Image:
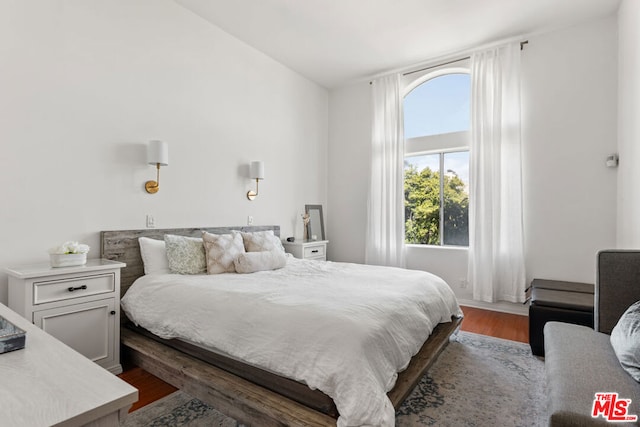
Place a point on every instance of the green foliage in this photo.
(422, 208)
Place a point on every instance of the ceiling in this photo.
(333, 42)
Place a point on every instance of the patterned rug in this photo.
(476, 381)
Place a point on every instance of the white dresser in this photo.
(46, 383)
(307, 249)
(78, 305)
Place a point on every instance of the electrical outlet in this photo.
(250, 220)
(463, 283)
(151, 221)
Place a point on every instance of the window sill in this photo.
(437, 247)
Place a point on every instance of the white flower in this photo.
(70, 248)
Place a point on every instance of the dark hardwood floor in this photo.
(485, 322)
(150, 388)
(496, 324)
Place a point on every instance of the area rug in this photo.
(476, 381)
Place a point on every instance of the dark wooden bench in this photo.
(555, 300)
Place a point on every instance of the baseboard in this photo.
(502, 306)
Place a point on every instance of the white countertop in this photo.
(29, 271)
(48, 383)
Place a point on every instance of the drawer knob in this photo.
(77, 288)
(112, 312)
(315, 251)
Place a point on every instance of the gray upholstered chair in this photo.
(580, 361)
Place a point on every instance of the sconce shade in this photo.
(257, 170)
(158, 153)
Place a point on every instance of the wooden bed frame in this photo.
(250, 395)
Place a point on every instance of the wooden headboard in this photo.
(122, 245)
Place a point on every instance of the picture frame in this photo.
(315, 226)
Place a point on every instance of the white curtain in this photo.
(496, 248)
(385, 216)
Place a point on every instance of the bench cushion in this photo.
(560, 285)
(578, 301)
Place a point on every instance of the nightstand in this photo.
(307, 249)
(78, 305)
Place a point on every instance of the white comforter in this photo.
(345, 329)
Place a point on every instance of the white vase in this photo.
(67, 260)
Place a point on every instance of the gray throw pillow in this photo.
(625, 340)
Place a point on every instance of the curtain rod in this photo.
(522, 43)
(436, 66)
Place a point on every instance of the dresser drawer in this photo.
(314, 251)
(58, 290)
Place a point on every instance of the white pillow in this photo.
(185, 254)
(261, 241)
(221, 250)
(250, 262)
(154, 256)
(625, 340)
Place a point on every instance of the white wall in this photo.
(569, 126)
(629, 124)
(85, 84)
(349, 162)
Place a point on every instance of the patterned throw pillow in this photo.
(261, 241)
(185, 254)
(250, 262)
(222, 250)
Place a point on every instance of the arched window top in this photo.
(437, 104)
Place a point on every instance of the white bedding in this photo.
(345, 329)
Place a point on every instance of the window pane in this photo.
(456, 199)
(422, 199)
(439, 105)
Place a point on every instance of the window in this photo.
(436, 164)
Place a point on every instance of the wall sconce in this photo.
(158, 155)
(256, 172)
(612, 161)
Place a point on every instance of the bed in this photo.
(293, 382)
